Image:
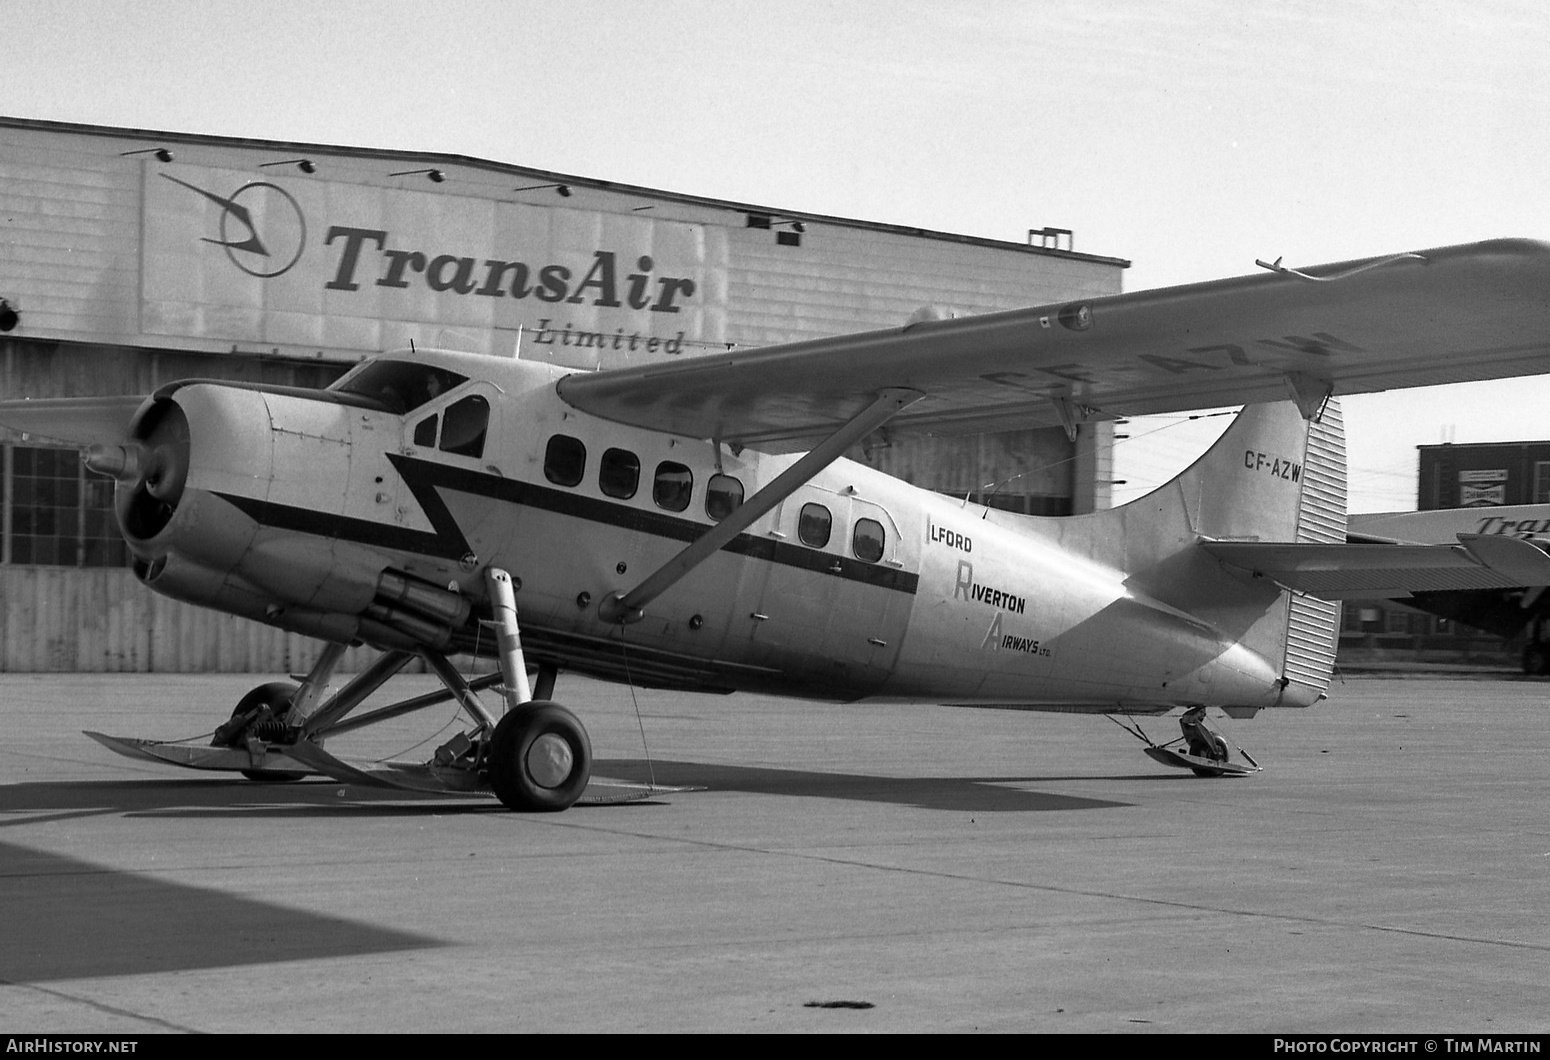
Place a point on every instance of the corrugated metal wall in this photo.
(71, 227)
(61, 619)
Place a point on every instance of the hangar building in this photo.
(129, 259)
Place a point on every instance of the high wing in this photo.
(1336, 572)
(1447, 315)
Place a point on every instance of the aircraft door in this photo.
(460, 431)
(869, 612)
(829, 609)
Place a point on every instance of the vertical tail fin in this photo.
(1272, 476)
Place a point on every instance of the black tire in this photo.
(268, 706)
(523, 744)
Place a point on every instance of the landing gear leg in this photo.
(539, 756)
(1206, 753)
(271, 714)
(1202, 740)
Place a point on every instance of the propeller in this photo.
(151, 470)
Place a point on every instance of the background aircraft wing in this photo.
(74, 421)
(1447, 315)
(1336, 572)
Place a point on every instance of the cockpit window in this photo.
(462, 433)
(400, 386)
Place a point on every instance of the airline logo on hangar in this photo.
(261, 228)
(264, 232)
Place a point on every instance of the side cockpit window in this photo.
(464, 426)
(565, 460)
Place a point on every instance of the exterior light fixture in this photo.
(435, 176)
(562, 190)
(161, 153)
(792, 238)
(306, 165)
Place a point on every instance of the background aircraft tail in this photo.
(1273, 476)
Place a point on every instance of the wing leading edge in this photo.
(1447, 315)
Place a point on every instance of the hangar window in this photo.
(868, 540)
(565, 460)
(672, 487)
(462, 433)
(814, 525)
(723, 494)
(618, 474)
(56, 513)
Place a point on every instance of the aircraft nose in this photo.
(151, 471)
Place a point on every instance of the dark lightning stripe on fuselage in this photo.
(446, 541)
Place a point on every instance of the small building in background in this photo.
(1482, 475)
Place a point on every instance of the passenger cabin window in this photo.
(867, 541)
(672, 486)
(565, 460)
(814, 525)
(464, 426)
(723, 494)
(618, 474)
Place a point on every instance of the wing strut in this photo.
(627, 607)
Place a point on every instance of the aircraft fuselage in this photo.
(858, 585)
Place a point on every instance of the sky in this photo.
(1188, 137)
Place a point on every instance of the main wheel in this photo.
(539, 758)
(262, 713)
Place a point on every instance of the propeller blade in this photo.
(74, 421)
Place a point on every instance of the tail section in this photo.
(1313, 625)
(1273, 476)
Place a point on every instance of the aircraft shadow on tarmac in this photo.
(72, 919)
(224, 796)
(963, 794)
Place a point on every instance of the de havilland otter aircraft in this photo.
(692, 525)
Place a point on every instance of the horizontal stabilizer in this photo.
(1337, 572)
(73, 421)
